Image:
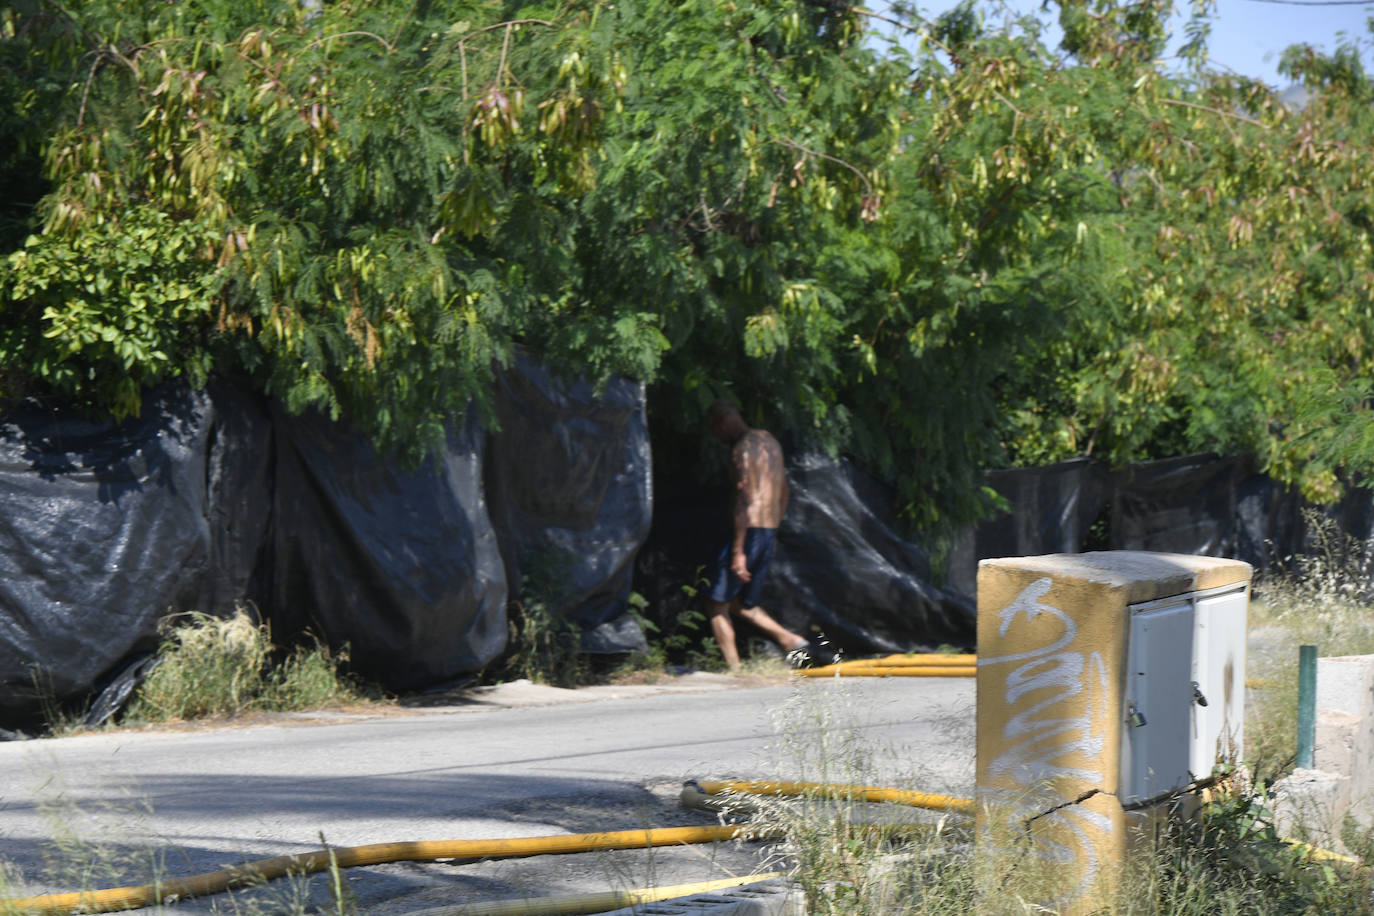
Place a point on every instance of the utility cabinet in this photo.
(1106, 682)
(1184, 694)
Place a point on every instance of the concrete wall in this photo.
(1313, 804)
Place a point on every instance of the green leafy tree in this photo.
(976, 252)
(1189, 257)
(332, 184)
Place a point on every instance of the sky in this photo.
(1247, 35)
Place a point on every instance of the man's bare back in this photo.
(760, 481)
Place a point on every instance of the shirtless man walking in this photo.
(760, 500)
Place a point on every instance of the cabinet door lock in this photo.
(1135, 717)
(1197, 695)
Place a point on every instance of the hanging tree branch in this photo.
(1215, 111)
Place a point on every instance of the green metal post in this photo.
(1307, 705)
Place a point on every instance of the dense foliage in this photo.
(961, 251)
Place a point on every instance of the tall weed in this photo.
(544, 646)
(1230, 859)
(309, 678)
(852, 858)
(212, 666)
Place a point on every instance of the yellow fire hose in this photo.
(129, 898)
(927, 665)
(936, 659)
(1317, 854)
(576, 904)
(852, 669)
(833, 790)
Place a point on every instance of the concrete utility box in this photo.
(1104, 679)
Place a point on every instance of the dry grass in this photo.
(1323, 600)
(216, 668)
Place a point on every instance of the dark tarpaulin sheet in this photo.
(238, 473)
(1269, 522)
(1196, 504)
(841, 567)
(402, 567)
(211, 499)
(1054, 508)
(1354, 514)
(1050, 510)
(569, 479)
(102, 533)
(1178, 505)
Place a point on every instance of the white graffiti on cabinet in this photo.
(1056, 699)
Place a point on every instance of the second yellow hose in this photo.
(135, 897)
(834, 790)
(576, 904)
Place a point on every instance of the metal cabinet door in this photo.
(1219, 673)
(1156, 747)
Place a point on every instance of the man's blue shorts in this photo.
(758, 553)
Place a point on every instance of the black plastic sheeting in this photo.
(571, 487)
(1269, 521)
(216, 498)
(1179, 505)
(239, 472)
(1052, 510)
(103, 530)
(401, 567)
(1202, 504)
(842, 569)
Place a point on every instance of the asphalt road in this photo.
(121, 807)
